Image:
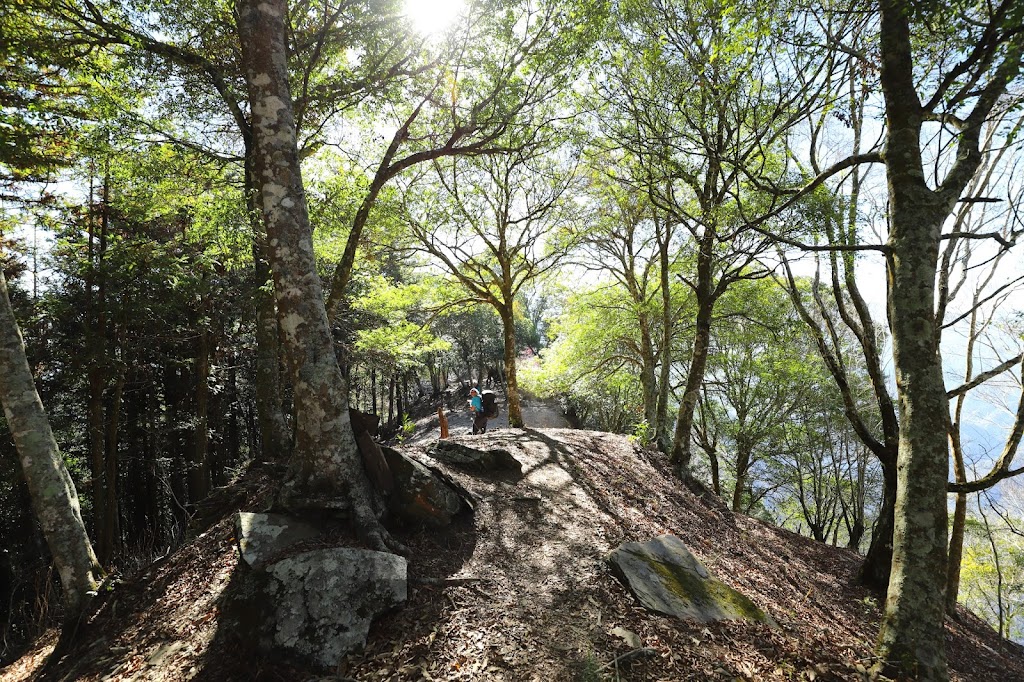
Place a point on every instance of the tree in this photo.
(594, 365)
(911, 637)
(34, 122)
(54, 498)
(704, 93)
(964, 270)
(325, 469)
(503, 226)
(197, 52)
(632, 242)
(502, 61)
(757, 383)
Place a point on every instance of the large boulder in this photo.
(422, 496)
(322, 602)
(465, 457)
(314, 605)
(666, 578)
(262, 537)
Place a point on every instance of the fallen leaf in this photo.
(628, 636)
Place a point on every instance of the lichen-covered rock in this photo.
(262, 537)
(457, 454)
(666, 578)
(420, 495)
(322, 602)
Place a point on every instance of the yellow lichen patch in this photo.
(708, 595)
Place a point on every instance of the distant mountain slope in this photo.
(520, 591)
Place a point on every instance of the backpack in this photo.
(490, 402)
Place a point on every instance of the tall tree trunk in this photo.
(154, 493)
(97, 456)
(681, 446)
(199, 466)
(269, 399)
(958, 527)
(112, 464)
(857, 504)
(391, 399)
(877, 566)
(97, 379)
(912, 638)
(399, 400)
(912, 634)
(373, 390)
(648, 382)
(665, 352)
(743, 455)
(54, 498)
(325, 469)
(508, 328)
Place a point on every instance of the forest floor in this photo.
(520, 590)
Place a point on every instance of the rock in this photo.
(666, 578)
(376, 465)
(463, 456)
(420, 495)
(325, 600)
(364, 421)
(317, 606)
(261, 537)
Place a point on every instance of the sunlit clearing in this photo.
(432, 16)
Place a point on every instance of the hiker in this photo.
(476, 403)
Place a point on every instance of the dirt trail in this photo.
(537, 413)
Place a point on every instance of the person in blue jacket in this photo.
(479, 417)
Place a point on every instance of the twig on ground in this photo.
(629, 656)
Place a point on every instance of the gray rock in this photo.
(323, 601)
(381, 476)
(666, 578)
(420, 495)
(457, 454)
(261, 537)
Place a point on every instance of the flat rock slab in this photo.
(666, 578)
(323, 601)
(466, 457)
(261, 537)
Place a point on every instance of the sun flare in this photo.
(432, 16)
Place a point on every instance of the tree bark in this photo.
(112, 524)
(911, 641)
(325, 469)
(54, 499)
(743, 455)
(274, 435)
(877, 564)
(681, 447)
(199, 466)
(508, 328)
(665, 358)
